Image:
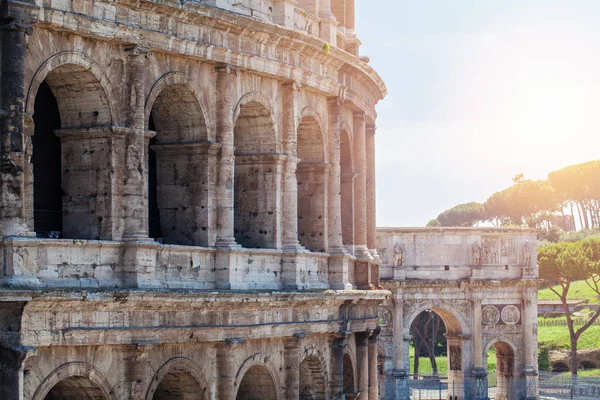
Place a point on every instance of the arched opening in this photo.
(311, 176)
(560, 367)
(437, 338)
(347, 175)
(501, 370)
(75, 388)
(71, 189)
(312, 379)
(257, 384)
(349, 381)
(585, 365)
(178, 178)
(179, 384)
(257, 183)
(46, 160)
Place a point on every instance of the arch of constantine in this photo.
(482, 282)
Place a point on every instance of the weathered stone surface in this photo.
(187, 240)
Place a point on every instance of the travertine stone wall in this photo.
(200, 178)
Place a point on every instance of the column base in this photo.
(530, 375)
(338, 275)
(362, 253)
(480, 389)
(401, 384)
(227, 243)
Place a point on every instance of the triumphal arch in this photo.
(482, 282)
(187, 201)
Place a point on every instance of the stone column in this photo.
(290, 148)
(362, 362)
(371, 192)
(529, 323)
(350, 16)
(373, 366)
(479, 373)
(360, 188)
(135, 188)
(338, 261)
(227, 369)
(13, 204)
(292, 353)
(337, 366)
(226, 101)
(400, 371)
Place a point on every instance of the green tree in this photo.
(561, 264)
(468, 214)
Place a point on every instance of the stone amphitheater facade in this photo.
(187, 201)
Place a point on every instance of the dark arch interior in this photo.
(179, 385)
(154, 228)
(75, 388)
(560, 367)
(255, 176)
(348, 375)
(257, 384)
(426, 326)
(311, 180)
(46, 160)
(312, 379)
(177, 165)
(587, 365)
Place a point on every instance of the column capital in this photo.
(360, 116)
(17, 25)
(334, 101)
(137, 50)
(290, 86)
(295, 341)
(223, 68)
(362, 338)
(375, 335)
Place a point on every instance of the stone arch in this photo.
(452, 317)
(309, 111)
(174, 374)
(178, 79)
(76, 69)
(257, 175)
(350, 380)
(61, 147)
(507, 366)
(260, 369)
(312, 176)
(75, 373)
(178, 163)
(313, 378)
(260, 124)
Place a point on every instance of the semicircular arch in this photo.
(259, 360)
(503, 340)
(178, 364)
(71, 370)
(177, 78)
(453, 319)
(70, 58)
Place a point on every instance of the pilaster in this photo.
(226, 101)
(227, 368)
(13, 209)
(362, 362)
(338, 261)
(135, 193)
(373, 370)
(336, 374)
(292, 349)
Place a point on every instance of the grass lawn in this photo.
(557, 337)
(578, 290)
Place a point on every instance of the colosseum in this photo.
(188, 196)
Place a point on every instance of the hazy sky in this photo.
(478, 91)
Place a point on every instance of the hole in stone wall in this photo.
(46, 160)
